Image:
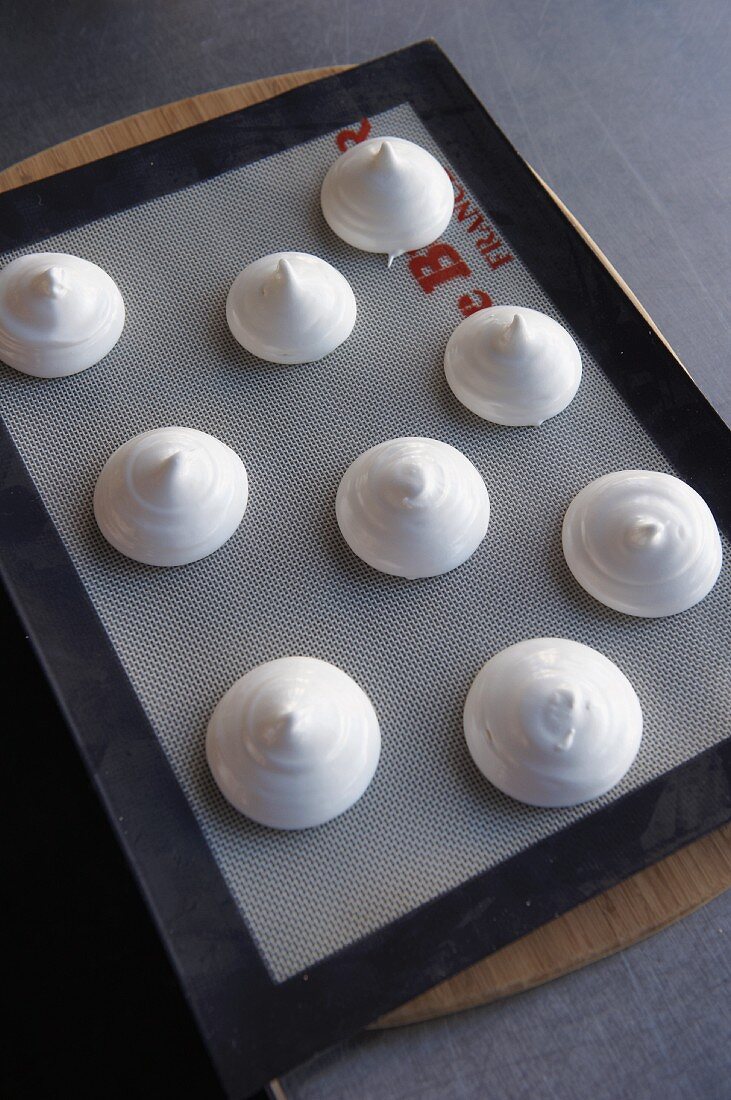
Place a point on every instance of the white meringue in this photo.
(59, 314)
(387, 195)
(413, 507)
(293, 743)
(290, 307)
(642, 542)
(512, 365)
(170, 496)
(552, 722)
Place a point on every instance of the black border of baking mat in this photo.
(256, 1028)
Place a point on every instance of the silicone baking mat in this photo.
(173, 223)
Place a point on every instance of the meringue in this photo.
(512, 365)
(413, 507)
(170, 496)
(642, 542)
(552, 722)
(290, 307)
(387, 195)
(293, 743)
(59, 314)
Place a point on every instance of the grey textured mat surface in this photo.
(286, 583)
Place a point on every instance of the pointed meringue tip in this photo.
(565, 742)
(283, 280)
(384, 157)
(170, 466)
(286, 726)
(285, 271)
(644, 532)
(516, 328)
(415, 478)
(52, 282)
(286, 276)
(410, 482)
(163, 482)
(515, 336)
(566, 697)
(288, 720)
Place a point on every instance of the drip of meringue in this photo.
(59, 314)
(642, 542)
(170, 496)
(290, 307)
(293, 743)
(512, 365)
(552, 722)
(413, 507)
(387, 195)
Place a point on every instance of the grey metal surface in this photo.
(623, 108)
(650, 1022)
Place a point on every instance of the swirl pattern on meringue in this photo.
(552, 722)
(293, 743)
(413, 507)
(387, 195)
(59, 314)
(170, 496)
(642, 542)
(512, 365)
(290, 307)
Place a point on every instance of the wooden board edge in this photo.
(608, 265)
(624, 914)
(126, 133)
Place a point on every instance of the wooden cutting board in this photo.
(631, 911)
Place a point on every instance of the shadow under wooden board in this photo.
(623, 915)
